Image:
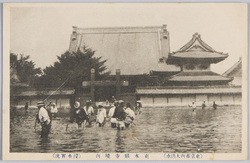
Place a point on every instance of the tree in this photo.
(22, 69)
(72, 68)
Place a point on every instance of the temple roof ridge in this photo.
(115, 29)
(196, 42)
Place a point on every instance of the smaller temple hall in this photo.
(195, 59)
(195, 82)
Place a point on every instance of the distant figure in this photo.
(130, 115)
(44, 119)
(138, 107)
(53, 110)
(101, 116)
(112, 101)
(107, 102)
(26, 106)
(111, 114)
(214, 105)
(120, 115)
(80, 115)
(203, 105)
(193, 106)
(90, 111)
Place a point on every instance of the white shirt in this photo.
(111, 111)
(130, 112)
(101, 115)
(43, 115)
(89, 111)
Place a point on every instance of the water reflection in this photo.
(155, 130)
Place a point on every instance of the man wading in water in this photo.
(120, 115)
(44, 119)
(111, 114)
(80, 115)
(89, 111)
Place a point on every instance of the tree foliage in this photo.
(22, 69)
(72, 68)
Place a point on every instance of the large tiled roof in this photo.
(196, 49)
(133, 50)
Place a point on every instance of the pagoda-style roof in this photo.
(199, 76)
(196, 50)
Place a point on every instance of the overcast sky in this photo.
(44, 32)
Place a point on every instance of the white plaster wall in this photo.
(147, 101)
(174, 101)
(187, 100)
(160, 101)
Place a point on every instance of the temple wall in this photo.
(61, 102)
(147, 100)
(186, 100)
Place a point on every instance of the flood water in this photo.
(155, 130)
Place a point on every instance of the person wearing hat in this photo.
(101, 116)
(44, 119)
(120, 115)
(89, 111)
(80, 115)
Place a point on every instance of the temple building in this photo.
(195, 59)
(195, 82)
(154, 75)
(133, 50)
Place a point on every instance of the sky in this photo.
(43, 31)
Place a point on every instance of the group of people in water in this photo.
(203, 105)
(121, 116)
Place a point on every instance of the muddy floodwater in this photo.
(155, 130)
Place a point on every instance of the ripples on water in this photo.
(155, 130)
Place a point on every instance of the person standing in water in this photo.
(120, 115)
(193, 106)
(44, 119)
(89, 110)
(26, 106)
(101, 116)
(130, 115)
(53, 110)
(214, 105)
(203, 105)
(111, 114)
(138, 107)
(80, 115)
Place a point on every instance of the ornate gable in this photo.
(196, 44)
